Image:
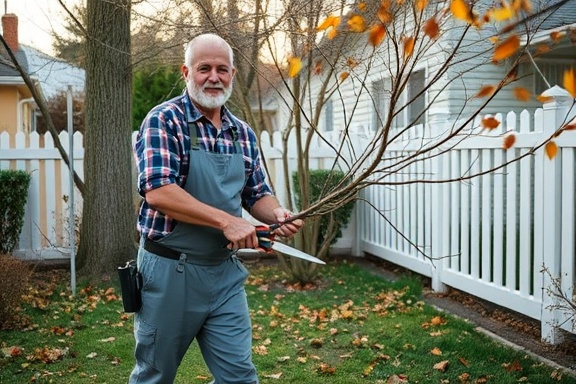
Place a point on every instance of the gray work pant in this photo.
(182, 302)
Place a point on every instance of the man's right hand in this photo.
(240, 233)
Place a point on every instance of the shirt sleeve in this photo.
(157, 152)
(256, 186)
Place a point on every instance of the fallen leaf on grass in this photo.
(442, 366)
(91, 355)
(108, 340)
(436, 351)
(397, 379)
(11, 351)
(274, 376)
(326, 369)
(512, 367)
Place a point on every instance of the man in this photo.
(198, 165)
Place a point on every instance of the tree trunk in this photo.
(108, 218)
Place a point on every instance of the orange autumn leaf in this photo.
(502, 14)
(377, 34)
(357, 24)
(352, 62)
(507, 48)
(344, 76)
(544, 99)
(570, 81)
(551, 150)
(509, 141)
(431, 28)
(330, 21)
(295, 65)
(460, 10)
(442, 366)
(522, 94)
(486, 90)
(318, 67)
(362, 6)
(543, 48)
(556, 36)
(383, 13)
(408, 46)
(332, 33)
(570, 126)
(522, 5)
(490, 123)
(421, 4)
(436, 351)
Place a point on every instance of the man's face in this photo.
(209, 77)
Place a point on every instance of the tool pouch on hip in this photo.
(130, 284)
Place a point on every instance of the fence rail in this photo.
(506, 236)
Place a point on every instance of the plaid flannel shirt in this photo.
(161, 152)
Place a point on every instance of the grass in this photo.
(352, 327)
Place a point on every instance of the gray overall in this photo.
(201, 296)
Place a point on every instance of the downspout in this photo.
(20, 113)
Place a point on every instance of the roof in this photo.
(7, 68)
(54, 75)
(560, 16)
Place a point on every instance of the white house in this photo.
(452, 69)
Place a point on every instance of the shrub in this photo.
(321, 182)
(14, 278)
(13, 195)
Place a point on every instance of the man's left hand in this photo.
(287, 230)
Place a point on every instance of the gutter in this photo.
(544, 36)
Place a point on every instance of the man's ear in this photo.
(184, 69)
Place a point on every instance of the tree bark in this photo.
(108, 218)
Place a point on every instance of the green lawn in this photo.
(352, 327)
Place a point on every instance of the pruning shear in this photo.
(266, 242)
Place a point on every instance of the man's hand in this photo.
(287, 230)
(240, 233)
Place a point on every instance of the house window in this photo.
(407, 114)
(417, 107)
(329, 116)
(551, 71)
(380, 102)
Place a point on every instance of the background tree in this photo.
(71, 45)
(108, 217)
(152, 85)
(57, 106)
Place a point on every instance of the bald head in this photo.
(206, 41)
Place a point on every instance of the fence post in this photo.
(555, 113)
(439, 123)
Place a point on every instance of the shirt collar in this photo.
(193, 114)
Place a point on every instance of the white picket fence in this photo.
(46, 226)
(505, 237)
(490, 236)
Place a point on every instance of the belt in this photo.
(161, 250)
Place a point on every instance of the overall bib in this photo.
(200, 296)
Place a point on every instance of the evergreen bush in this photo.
(321, 182)
(13, 195)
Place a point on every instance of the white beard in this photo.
(207, 101)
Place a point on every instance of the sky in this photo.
(36, 21)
